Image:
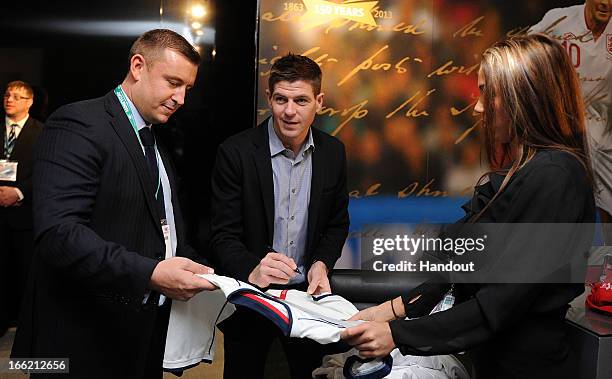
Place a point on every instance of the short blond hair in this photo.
(23, 85)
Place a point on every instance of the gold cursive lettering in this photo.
(470, 29)
(369, 64)
(520, 31)
(321, 59)
(366, 65)
(467, 132)
(449, 68)
(264, 61)
(357, 111)
(401, 27)
(413, 111)
(456, 112)
(372, 191)
(414, 189)
(367, 233)
(407, 191)
(354, 194)
(425, 191)
(410, 28)
(587, 79)
(550, 27)
(284, 17)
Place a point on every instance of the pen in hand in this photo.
(270, 248)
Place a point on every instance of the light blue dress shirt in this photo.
(292, 174)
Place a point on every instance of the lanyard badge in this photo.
(8, 171)
(128, 112)
(446, 303)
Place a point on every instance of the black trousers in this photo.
(155, 355)
(16, 248)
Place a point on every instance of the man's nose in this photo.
(179, 96)
(290, 109)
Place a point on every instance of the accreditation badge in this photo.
(167, 238)
(8, 171)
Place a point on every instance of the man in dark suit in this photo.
(279, 213)
(16, 237)
(108, 225)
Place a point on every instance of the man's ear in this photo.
(269, 98)
(137, 65)
(319, 101)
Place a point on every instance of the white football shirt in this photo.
(593, 62)
(191, 328)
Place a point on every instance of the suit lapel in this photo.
(316, 187)
(124, 130)
(263, 164)
(3, 139)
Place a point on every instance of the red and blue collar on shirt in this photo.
(268, 306)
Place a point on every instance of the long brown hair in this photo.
(533, 80)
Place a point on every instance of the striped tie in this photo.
(10, 141)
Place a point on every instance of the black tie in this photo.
(10, 141)
(148, 141)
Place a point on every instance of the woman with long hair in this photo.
(534, 139)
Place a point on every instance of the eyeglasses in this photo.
(15, 97)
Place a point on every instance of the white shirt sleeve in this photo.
(19, 194)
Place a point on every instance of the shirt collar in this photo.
(140, 122)
(8, 122)
(276, 145)
(309, 141)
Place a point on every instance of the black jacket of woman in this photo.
(511, 330)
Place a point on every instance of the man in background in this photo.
(20, 133)
(585, 31)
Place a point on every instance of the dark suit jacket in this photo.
(98, 240)
(243, 202)
(20, 217)
(513, 330)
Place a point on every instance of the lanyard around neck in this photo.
(128, 112)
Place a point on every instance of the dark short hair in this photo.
(152, 43)
(19, 84)
(292, 68)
